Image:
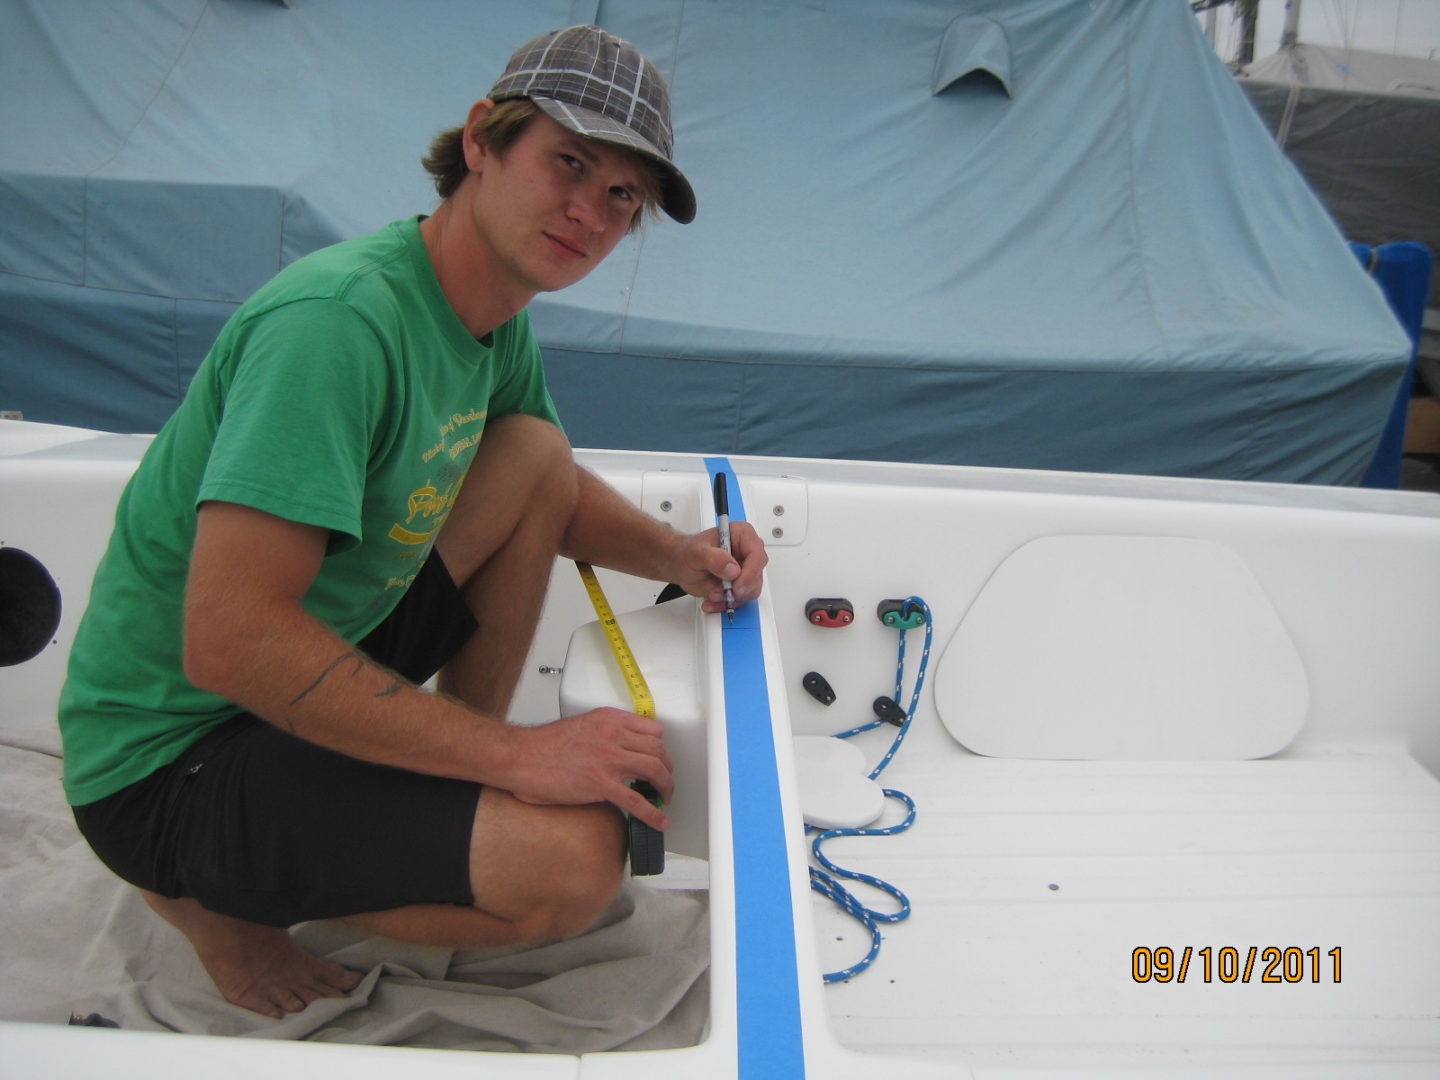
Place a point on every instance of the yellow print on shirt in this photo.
(428, 506)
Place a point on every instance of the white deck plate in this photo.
(1122, 647)
(835, 790)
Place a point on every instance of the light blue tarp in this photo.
(1051, 234)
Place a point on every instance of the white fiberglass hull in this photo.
(1258, 900)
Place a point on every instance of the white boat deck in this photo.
(1033, 881)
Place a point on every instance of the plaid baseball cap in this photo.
(599, 86)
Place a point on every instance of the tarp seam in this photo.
(738, 420)
(180, 385)
(675, 49)
(122, 143)
(1170, 366)
(1142, 254)
(624, 314)
(121, 292)
(285, 202)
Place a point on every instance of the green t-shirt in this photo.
(345, 394)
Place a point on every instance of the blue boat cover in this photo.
(1025, 233)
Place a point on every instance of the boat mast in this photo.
(1248, 14)
(1290, 36)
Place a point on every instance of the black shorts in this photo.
(256, 823)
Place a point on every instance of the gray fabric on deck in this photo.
(78, 940)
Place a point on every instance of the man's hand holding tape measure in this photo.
(592, 758)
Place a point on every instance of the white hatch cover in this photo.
(1122, 647)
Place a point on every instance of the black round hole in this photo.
(29, 607)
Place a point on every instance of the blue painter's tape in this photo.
(771, 1039)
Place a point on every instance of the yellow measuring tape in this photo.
(647, 845)
(644, 704)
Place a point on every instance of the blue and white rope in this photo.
(824, 881)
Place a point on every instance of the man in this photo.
(321, 527)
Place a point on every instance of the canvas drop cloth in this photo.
(76, 941)
(1022, 233)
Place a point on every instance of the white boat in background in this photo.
(1174, 763)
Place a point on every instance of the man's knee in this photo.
(521, 487)
(588, 868)
(536, 446)
(534, 455)
(565, 874)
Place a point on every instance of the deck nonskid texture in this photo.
(1034, 882)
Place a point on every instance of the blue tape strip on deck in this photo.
(767, 989)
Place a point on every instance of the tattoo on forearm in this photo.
(353, 657)
(358, 660)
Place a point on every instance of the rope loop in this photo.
(824, 880)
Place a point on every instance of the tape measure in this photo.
(644, 704)
(647, 845)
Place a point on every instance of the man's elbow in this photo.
(210, 657)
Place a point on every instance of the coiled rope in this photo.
(824, 880)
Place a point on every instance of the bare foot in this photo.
(257, 967)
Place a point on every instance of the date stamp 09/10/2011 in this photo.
(1231, 964)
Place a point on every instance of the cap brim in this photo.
(677, 197)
